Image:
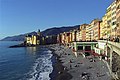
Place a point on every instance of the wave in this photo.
(42, 67)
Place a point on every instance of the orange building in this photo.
(83, 31)
(95, 31)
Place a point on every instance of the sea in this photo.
(24, 63)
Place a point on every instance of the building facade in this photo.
(118, 17)
(108, 14)
(113, 19)
(103, 27)
(34, 39)
(83, 31)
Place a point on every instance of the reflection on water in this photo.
(31, 50)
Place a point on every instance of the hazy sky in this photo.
(22, 16)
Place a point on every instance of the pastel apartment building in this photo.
(103, 27)
(107, 28)
(113, 19)
(83, 31)
(88, 33)
(96, 29)
(118, 17)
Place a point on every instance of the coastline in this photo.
(58, 73)
(68, 67)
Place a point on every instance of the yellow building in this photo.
(103, 27)
(67, 39)
(92, 31)
(74, 35)
(113, 20)
(63, 38)
(70, 35)
(118, 18)
(80, 34)
(109, 18)
(33, 39)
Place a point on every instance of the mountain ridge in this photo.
(47, 32)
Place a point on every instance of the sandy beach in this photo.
(69, 67)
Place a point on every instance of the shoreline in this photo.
(58, 72)
(68, 67)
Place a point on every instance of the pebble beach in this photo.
(70, 67)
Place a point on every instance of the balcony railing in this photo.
(116, 44)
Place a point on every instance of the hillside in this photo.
(50, 31)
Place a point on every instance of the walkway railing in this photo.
(115, 44)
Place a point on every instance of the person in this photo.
(85, 75)
(70, 61)
(117, 39)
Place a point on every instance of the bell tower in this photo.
(39, 33)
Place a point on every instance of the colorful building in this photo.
(67, 39)
(113, 19)
(31, 40)
(103, 27)
(78, 35)
(88, 33)
(34, 39)
(92, 31)
(74, 35)
(63, 38)
(109, 18)
(70, 36)
(83, 31)
(95, 29)
(38, 39)
(118, 17)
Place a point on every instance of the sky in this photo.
(23, 16)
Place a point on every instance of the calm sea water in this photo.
(26, 63)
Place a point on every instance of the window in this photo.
(113, 23)
(114, 18)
